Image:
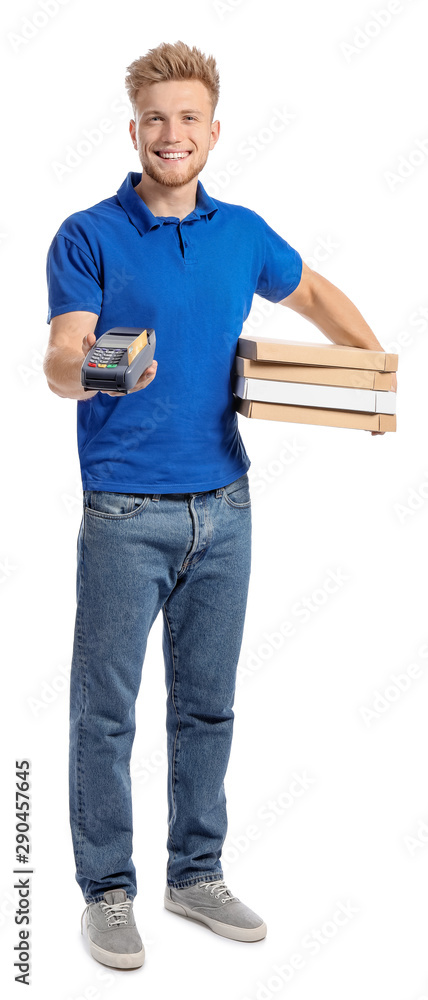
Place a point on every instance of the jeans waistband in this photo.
(218, 492)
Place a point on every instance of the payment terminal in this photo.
(118, 358)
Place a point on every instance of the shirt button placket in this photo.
(183, 241)
(186, 248)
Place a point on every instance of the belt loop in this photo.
(156, 496)
(219, 491)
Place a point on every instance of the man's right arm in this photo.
(71, 337)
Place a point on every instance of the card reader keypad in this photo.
(105, 357)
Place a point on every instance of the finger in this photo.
(86, 343)
(145, 378)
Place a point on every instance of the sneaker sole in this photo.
(226, 930)
(114, 960)
(133, 961)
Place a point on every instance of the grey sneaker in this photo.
(111, 931)
(213, 904)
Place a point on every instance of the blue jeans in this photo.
(188, 554)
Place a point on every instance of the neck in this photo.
(163, 200)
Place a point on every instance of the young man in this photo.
(166, 521)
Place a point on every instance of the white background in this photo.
(346, 171)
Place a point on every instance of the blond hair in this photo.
(173, 62)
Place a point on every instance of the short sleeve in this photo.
(72, 278)
(282, 267)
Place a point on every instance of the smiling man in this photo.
(166, 521)
(173, 144)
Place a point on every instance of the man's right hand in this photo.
(144, 380)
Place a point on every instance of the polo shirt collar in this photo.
(141, 216)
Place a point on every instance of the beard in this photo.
(190, 169)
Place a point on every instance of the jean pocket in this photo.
(102, 503)
(237, 494)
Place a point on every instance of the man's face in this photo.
(172, 117)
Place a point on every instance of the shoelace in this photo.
(116, 913)
(217, 887)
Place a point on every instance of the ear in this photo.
(215, 132)
(133, 133)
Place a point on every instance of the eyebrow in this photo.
(185, 111)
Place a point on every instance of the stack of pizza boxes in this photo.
(308, 383)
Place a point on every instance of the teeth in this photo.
(173, 156)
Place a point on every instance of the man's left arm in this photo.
(329, 309)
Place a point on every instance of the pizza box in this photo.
(316, 374)
(334, 397)
(304, 353)
(316, 415)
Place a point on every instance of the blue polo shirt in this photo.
(193, 281)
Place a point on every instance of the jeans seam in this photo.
(126, 516)
(237, 505)
(178, 725)
(81, 665)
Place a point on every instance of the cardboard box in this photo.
(302, 352)
(316, 415)
(316, 374)
(334, 397)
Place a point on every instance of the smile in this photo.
(173, 156)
